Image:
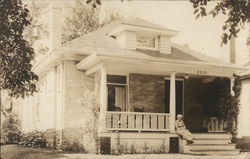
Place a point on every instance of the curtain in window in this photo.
(120, 97)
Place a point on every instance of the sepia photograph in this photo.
(124, 79)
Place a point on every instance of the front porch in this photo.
(140, 102)
(146, 93)
(140, 97)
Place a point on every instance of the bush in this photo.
(10, 133)
(33, 139)
(50, 135)
(73, 146)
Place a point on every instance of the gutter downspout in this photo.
(63, 100)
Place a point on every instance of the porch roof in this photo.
(155, 65)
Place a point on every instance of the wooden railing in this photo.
(137, 121)
(215, 125)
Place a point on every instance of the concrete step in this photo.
(211, 147)
(210, 141)
(212, 136)
(215, 152)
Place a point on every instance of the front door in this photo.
(179, 96)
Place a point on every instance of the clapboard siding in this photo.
(130, 42)
(127, 40)
(164, 45)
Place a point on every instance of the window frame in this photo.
(156, 48)
(119, 84)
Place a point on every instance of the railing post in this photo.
(172, 102)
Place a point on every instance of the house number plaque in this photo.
(201, 72)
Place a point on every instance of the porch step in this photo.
(211, 147)
(209, 136)
(216, 152)
(210, 141)
(212, 144)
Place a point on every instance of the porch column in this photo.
(231, 85)
(172, 102)
(103, 98)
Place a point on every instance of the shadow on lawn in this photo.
(20, 152)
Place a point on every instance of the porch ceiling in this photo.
(154, 65)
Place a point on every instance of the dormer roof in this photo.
(141, 25)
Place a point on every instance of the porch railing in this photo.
(215, 125)
(137, 121)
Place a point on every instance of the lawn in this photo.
(19, 152)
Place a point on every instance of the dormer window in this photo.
(146, 42)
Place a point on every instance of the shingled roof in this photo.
(143, 23)
(100, 41)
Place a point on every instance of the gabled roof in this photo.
(144, 23)
(99, 41)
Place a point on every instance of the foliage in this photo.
(94, 3)
(229, 105)
(15, 53)
(33, 139)
(237, 11)
(90, 112)
(111, 16)
(73, 146)
(50, 136)
(37, 31)
(11, 132)
(84, 19)
(243, 144)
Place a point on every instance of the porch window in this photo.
(117, 92)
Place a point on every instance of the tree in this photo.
(237, 11)
(16, 75)
(37, 31)
(85, 19)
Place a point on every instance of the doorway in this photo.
(179, 97)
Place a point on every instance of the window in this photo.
(146, 41)
(117, 93)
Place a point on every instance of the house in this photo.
(244, 117)
(124, 84)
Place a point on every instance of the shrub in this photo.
(10, 133)
(50, 135)
(33, 139)
(73, 146)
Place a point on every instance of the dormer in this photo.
(140, 34)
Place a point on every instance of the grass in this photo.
(19, 152)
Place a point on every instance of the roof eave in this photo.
(96, 59)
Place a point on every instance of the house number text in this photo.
(201, 72)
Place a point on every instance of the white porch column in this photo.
(172, 101)
(103, 98)
(231, 85)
